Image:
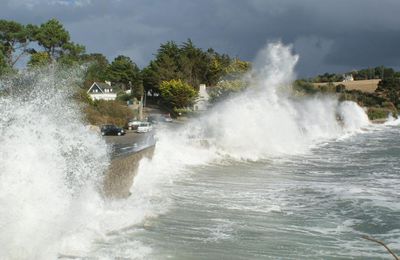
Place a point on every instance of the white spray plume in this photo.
(49, 162)
(265, 120)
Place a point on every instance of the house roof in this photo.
(102, 86)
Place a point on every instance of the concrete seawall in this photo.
(122, 170)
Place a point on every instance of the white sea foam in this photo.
(391, 121)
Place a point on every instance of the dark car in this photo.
(111, 130)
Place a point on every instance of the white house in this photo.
(202, 101)
(102, 91)
(348, 77)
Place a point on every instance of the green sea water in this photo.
(313, 206)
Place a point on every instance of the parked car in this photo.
(167, 118)
(111, 130)
(157, 118)
(144, 127)
(133, 125)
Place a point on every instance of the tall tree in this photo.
(125, 72)
(193, 63)
(52, 37)
(97, 67)
(151, 78)
(190, 64)
(71, 53)
(14, 40)
(216, 67)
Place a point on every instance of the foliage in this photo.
(305, 87)
(71, 54)
(39, 59)
(340, 88)
(177, 112)
(380, 72)
(163, 68)
(151, 78)
(122, 96)
(378, 113)
(384, 101)
(3, 64)
(177, 94)
(237, 68)
(373, 73)
(108, 112)
(328, 88)
(389, 84)
(363, 98)
(52, 37)
(82, 96)
(191, 65)
(217, 67)
(226, 88)
(328, 77)
(378, 106)
(125, 73)
(390, 88)
(14, 41)
(97, 68)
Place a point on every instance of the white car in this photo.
(144, 127)
(133, 125)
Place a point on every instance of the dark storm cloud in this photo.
(329, 35)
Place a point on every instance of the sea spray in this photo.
(352, 115)
(49, 162)
(267, 120)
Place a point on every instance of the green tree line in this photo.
(379, 72)
(173, 63)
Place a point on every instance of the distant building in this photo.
(102, 91)
(202, 101)
(348, 77)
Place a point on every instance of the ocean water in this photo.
(265, 174)
(312, 206)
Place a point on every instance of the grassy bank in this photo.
(381, 98)
(100, 112)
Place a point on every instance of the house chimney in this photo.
(202, 87)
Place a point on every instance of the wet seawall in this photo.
(124, 166)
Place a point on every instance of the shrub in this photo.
(378, 113)
(225, 88)
(108, 112)
(177, 94)
(304, 87)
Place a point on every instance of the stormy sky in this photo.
(329, 35)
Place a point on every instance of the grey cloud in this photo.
(329, 35)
